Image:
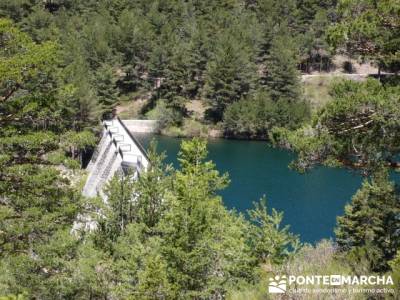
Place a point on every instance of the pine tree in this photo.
(395, 266)
(282, 77)
(175, 85)
(371, 221)
(96, 37)
(36, 203)
(152, 187)
(153, 277)
(270, 242)
(28, 135)
(134, 201)
(359, 128)
(256, 115)
(105, 85)
(230, 74)
(199, 235)
(368, 28)
(135, 40)
(90, 273)
(80, 105)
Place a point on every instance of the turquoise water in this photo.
(310, 202)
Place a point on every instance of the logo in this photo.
(280, 284)
(277, 285)
(335, 280)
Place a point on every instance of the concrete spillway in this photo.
(117, 152)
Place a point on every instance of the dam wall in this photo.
(117, 152)
(141, 126)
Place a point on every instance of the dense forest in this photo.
(176, 51)
(66, 64)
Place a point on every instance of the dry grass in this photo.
(316, 90)
(196, 108)
(131, 109)
(358, 66)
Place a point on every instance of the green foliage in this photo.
(135, 201)
(37, 204)
(321, 258)
(78, 140)
(315, 53)
(282, 77)
(371, 221)
(165, 236)
(192, 128)
(13, 297)
(177, 86)
(198, 231)
(76, 143)
(153, 278)
(269, 242)
(90, 272)
(278, 103)
(165, 115)
(359, 128)
(172, 51)
(230, 74)
(31, 110)
(369, 28)
(30, 221)
(120, 210)
(168, 235)
(79, 101)
(257, 115)
(395, 266)
(105, 85)
(21, 59)
(153, 185)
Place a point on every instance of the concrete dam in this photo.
(118, 152)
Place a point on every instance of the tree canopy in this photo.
(65, 64)
(173, 52)
(359, 128)
(369, 28)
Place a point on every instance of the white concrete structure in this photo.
(141, 126)
(118, 151)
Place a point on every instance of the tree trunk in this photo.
(379, 72)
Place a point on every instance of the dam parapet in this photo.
(117, 152)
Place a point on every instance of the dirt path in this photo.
(357, 76)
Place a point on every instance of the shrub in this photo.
(255, 116)
(165, 115)
(194, 128)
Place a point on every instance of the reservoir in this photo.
(310, 202)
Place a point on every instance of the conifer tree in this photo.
(152, 187)
(269, 241)
(369, 28)
(153, 277)
(36, 203)
(135, 40)
(80, 104)
(282, 77)
(230, 74)
(176, 83)
(359, 128)
(371, 221)
(194, 226)
(105, 85)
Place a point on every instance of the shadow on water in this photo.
(310, 202)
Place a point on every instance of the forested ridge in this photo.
(217, 51)
(66, 64)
